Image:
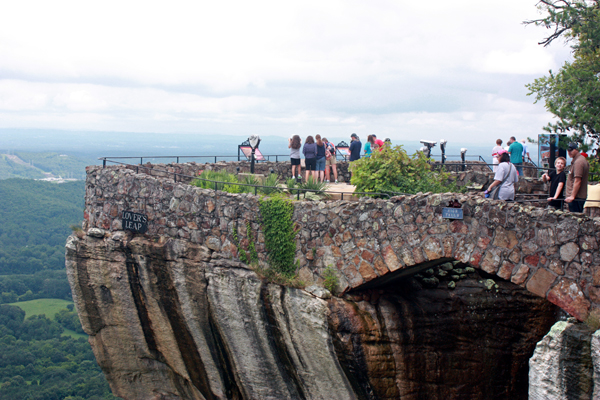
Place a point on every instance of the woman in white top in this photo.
(495, 151)
(506, 176)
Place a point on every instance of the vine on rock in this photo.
(280, 233)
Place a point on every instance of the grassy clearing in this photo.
(48, 307)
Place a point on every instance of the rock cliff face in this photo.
(170, 319)
(566, 364)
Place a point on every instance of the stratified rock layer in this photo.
(566, 364)
(170, 319)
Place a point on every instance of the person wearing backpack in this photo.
(330, 161)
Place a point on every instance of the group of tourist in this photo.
(320, 155)
(570, 188)
(319, 158)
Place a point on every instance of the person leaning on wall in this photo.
(577, 179)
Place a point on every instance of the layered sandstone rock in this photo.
(169, 319)
(566, 364)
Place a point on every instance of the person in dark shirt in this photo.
(557, 183)
(355, 147)
(310, 157)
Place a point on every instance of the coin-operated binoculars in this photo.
(428, 146)
(443, 148)
(254, 141)
(463, 156)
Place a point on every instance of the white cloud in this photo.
(271, 65)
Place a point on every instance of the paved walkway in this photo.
(341, 188)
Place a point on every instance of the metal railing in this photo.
(255, 186)
(540, 198)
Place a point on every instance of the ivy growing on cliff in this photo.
(280, 233)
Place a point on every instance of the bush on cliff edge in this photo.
(393, 170)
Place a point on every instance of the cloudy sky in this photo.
(403, 69)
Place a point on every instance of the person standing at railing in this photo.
(378, 142)
(294, 145)
(525, 151)
(355, 147)
(330, 160)
(495, 151)
(557, 182)
(320, 159)
(310, 157)
(369, 146)
(516, 154)
(577, 180)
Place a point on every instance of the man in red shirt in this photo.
(577, 180)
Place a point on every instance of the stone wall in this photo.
(474, 176)
(552, 254)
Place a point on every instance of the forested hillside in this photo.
(12, 169)
(38, 363)
(36, 218)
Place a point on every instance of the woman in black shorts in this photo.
(310, 157)
(294, 146)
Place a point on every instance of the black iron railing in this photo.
(522, 198)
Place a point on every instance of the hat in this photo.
(500, 152)
(573, 146)
(354, 135)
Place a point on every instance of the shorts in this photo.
(321, 164)
(576, 205)
(310, 164)
(331, 161)
(295, 161)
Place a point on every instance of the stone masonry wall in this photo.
(474, 176)
(553, 254)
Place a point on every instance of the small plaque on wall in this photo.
(452, 213)
(135, 222)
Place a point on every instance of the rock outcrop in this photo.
(169, 319)
(566, 364)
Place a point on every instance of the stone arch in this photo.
(550, 253)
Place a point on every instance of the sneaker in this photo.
(336, 181)
(326, 181)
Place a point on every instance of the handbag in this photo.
(495, 193)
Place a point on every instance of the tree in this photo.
(573, 93)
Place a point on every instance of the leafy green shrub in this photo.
(393, 170)
(280, 235)
(314, 185)
(290, 183)
(271, 182)
(219, 176)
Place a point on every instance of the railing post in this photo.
(104, 163)
(342, 195)
(177, 160)
(215, 159)
(255, 190)
(141, 162)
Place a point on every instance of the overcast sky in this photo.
(402, 69)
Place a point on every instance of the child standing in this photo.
(557, 183)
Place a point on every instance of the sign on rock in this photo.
(135, 222)
(452, 213)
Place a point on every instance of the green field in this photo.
(47, 307)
